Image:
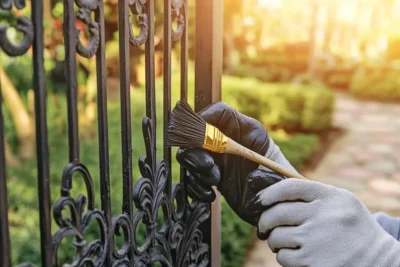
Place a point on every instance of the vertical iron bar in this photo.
(103, 123)
(208, 63)
(184, 77)
(5, 259)
(167, 83)
(150, 75)
(70, 40)
(42, 150)
(150, 89)
(208, 73)
(126, 128)
(184, 54)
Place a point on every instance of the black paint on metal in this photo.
(42, 149)
(70, 40)
(126, 127)
(167, 82)
(4, 233)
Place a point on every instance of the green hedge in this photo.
(381, 83)
(291, 56)
(263, 73)
(288, 106)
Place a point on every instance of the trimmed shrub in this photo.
(293, 107)
(381, 84)
(265, 74)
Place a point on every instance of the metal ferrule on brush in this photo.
(214, 139)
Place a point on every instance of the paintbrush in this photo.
(188, 129)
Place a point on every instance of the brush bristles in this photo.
(186, 128)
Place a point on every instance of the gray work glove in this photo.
(237, 178)
(311, 224)
(389, 224)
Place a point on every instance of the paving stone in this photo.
(360, 159)
(375, 119)
(383, 166)
(385, 186)
(354, 172)
(396, 177)
(341, 159)
(345, 183)
(381, 148)
(261, 256)
(380, 202)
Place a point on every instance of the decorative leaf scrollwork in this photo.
(87, 254)
(84, 14)
(120, 223)
(178, 13)
(24, 25)
(178, 242)
(185, 236)
(149, 196)
(137, 7)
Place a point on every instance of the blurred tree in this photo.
(23, 121)
(232, 8)
(315, 8)
(332, 7)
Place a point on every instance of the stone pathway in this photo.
(366, 161)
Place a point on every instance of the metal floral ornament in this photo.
(24, 25)
(138, 7)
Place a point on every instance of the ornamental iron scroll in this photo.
(178, 243)
(84, 14)
(24, 25)
(138, 7)
(179, 9)
(87, 254)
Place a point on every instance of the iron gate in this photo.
(188, 237)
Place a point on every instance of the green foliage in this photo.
(335, 71)
(263, 73)
(377, 83)
(20, 71)
(340, 81)
(236, 237)
(393, 51)
(287, 106)
(338, 76)
(293, 57)
(297, 147)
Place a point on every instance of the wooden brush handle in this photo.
(239, 150)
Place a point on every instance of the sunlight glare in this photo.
(274, 4)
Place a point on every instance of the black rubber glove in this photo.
(238, 179)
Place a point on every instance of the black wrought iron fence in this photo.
(188, 237)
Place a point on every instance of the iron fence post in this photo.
(208, 73)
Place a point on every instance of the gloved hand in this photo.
(311, 224)
(237, 179)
